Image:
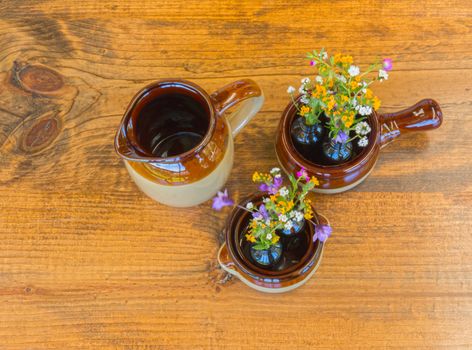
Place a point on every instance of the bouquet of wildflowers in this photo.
(284, 208)
(342, 93)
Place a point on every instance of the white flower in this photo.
(305, 80)
(305, 100)
(383, 75)
(342, 78)
(269, 236)
(353, 71)
(301, 89)
(324, 56)
(288, 225)
(275, 171)
(292, 214)
(266, 200)
(363, 142)
(283, 191)
(364, 110)
(283, 218)
(299, 216)
(291, 90)
(250, 205)
(319, 79)
(362, 128)
(267, 222)
(354, 102)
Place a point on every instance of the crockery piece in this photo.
(177, 141)
(296, 265)
(425, 115)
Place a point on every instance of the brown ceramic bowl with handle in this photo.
(425, 115)
(290, 273)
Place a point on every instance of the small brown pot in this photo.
(425, 115)
(289, 275)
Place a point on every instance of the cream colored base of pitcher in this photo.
(190, 194)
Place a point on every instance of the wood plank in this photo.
(87, 261)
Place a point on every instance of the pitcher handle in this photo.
(425, 115)
(247, 93)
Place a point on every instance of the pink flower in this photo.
(387, 64)
(302, 173)
(312, 62)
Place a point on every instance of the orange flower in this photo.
(304, 110)
(315, 181)
(250, 238)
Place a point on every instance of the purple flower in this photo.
(387, 64)
(312, 62)
(322, 232)
(221, 200)
(263, 211)
(302, 173)
(273, 187)
(341, 137)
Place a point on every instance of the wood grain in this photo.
(88, 262)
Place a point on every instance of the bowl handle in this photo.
(225, 261)
(323, 220)
(425, 115)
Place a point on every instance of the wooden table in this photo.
(87, 261)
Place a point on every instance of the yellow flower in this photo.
(376, 103)
(337, 58)
(331, 103)
(304, 110)
(250, 238)
(275, 239)
(368, 93)
(354, 84)
(256, 177)
(319, 92)
(346, 59)
(315, 181)
(308, 213)
(349, 122)
(290, 205)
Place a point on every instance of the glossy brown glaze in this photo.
(233, 257)
(425, 115)
(133, 140)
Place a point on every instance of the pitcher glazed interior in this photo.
(424, 115)
(175, 141)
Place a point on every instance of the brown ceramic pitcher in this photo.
(425, 115)
(177, 141)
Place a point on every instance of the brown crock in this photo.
(232, 259)
(425, 115)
